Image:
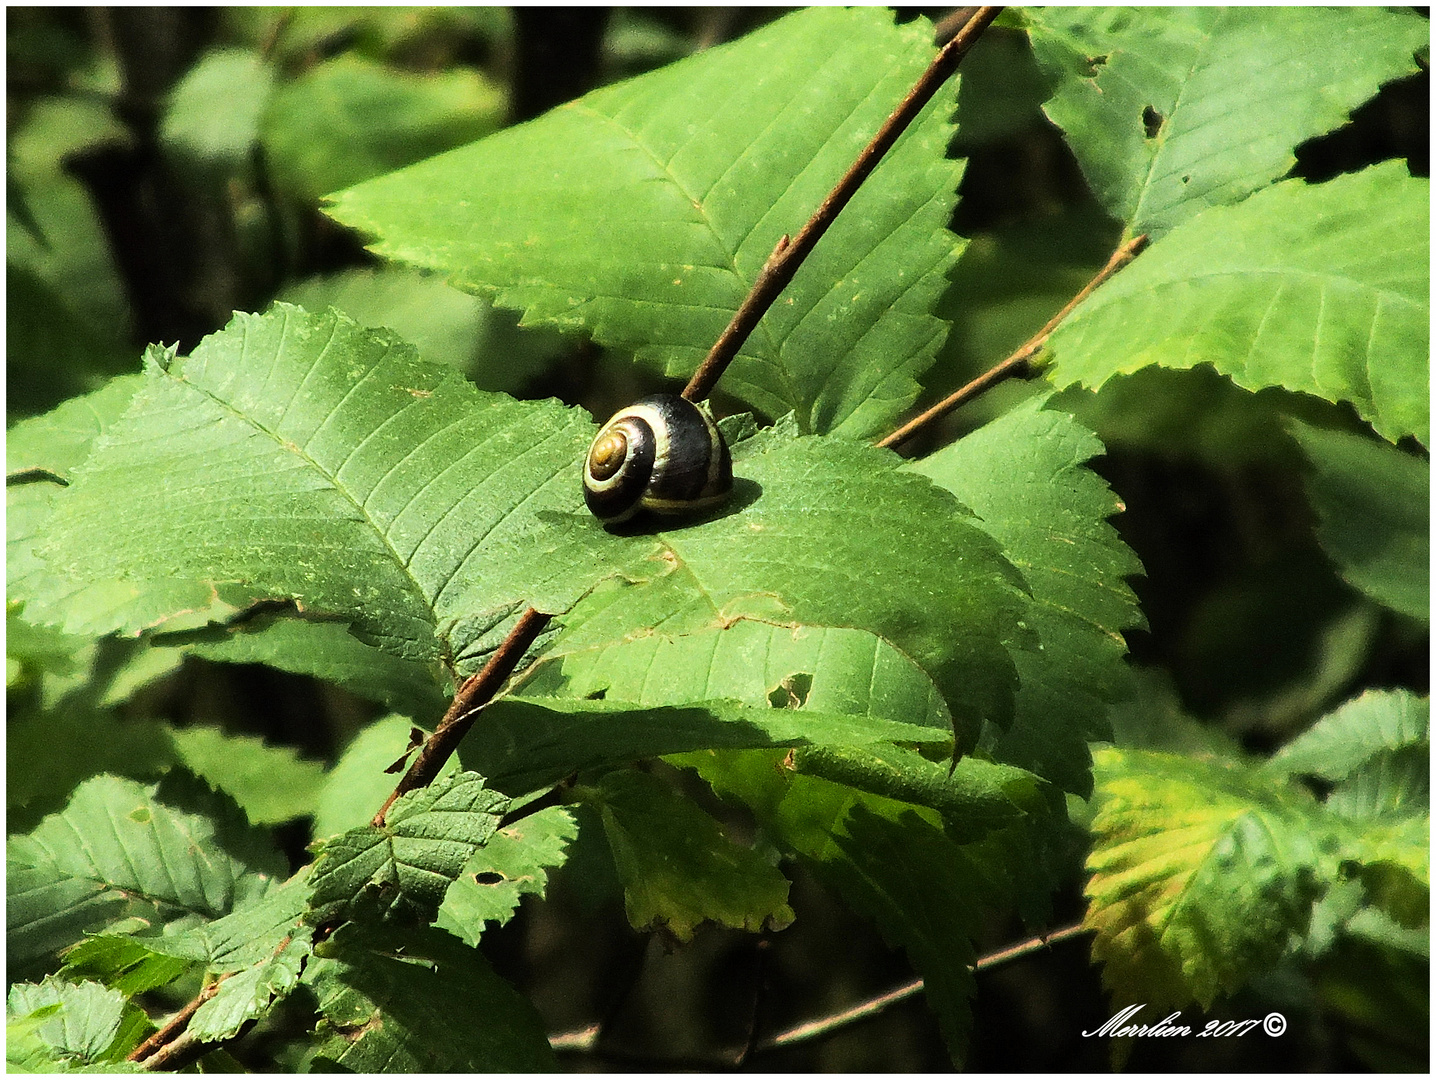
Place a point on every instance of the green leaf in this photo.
(80, 1021)
(326, 650)
(251, 935)
(271, 783)
(1025, 477)
(257, 952)
(1173, 110)
(1199, 875)
(39, 781)
(839, 535)
(71, 252)
(434, 1005)
(122, 963)
(214, 111)
(650, 238)
(821, 669)
(514, 863)
(1344, 740)
(41, 455)
(304, 458)
(1318, 288)
(525, 744)
(347, 119)
(889, 860)
(1375, 507)
(248, 994)
(678, 866)
(406, 867)
(159, 853)
(358, 784)
(973, 799)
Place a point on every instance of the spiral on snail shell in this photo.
(663, 454)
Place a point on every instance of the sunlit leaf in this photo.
(406, 866)
(649, 239)
(1318, 288)
(1174, 109)
(1025, 477)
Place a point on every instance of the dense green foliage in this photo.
(264, 483)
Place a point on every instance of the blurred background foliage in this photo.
(166, 167)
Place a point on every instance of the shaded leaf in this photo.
(512, 864)
(358, 785)
(1375, 507)
(1317, 288)
(71, 252)
(39, 781)
(678, 866)
(328, 651)
(889, 860)
(1172, 110)
(973, 799)
(1344, 740)
(407, 865)
(524, 744)
(435, 1006)
(123, 963)
(271, 783)
(1392, 784)
(159, 852)
(349, 118)
(650, 238)
(446, 326)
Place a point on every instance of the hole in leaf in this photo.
(1152, 122)
(140, 814)
(792, 692)
(596, 695)
(489, 877)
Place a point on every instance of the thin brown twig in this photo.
(175, 1055)
(159, 1039)
(948, 27)
(788, 255)
(476, 692)
(1016, 363)
(813, 1029)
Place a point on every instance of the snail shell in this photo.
(663, 454)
